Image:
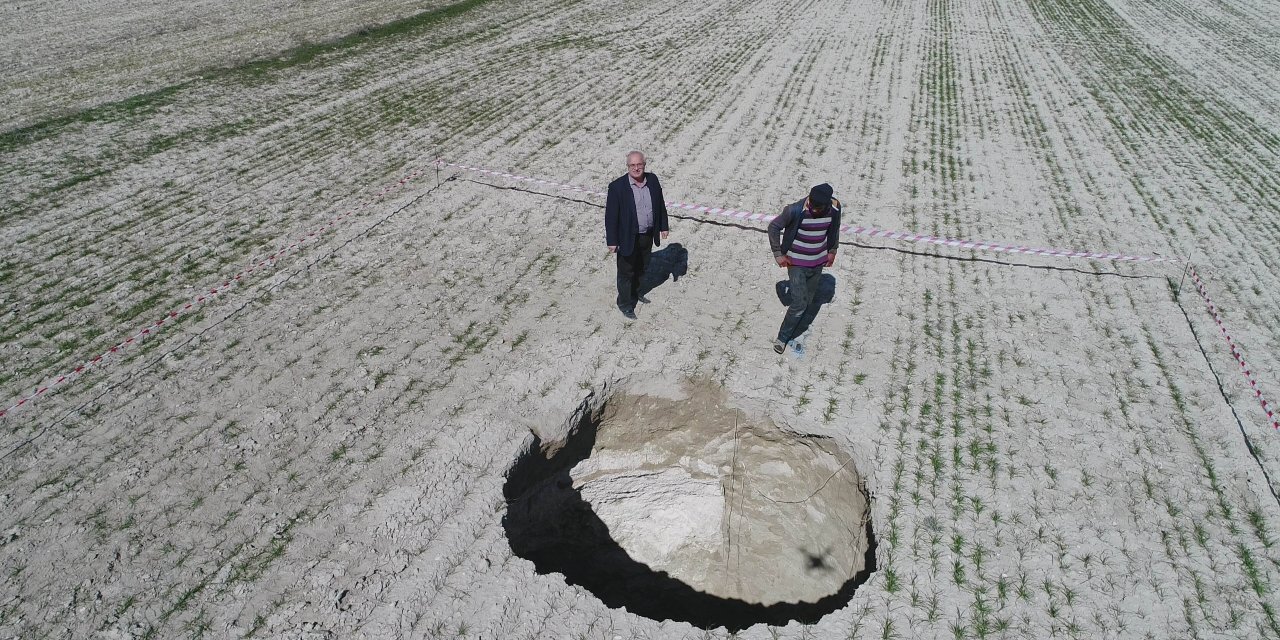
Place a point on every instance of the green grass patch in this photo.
(139, 105)
(250, 72)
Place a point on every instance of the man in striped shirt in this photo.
(804, 240)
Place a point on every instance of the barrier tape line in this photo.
(207, 295)
(1235, 350)
(870, 232)
(976, 245)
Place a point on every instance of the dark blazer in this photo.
(620, 228)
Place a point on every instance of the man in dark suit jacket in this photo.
(635, 215)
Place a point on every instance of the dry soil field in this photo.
(344, 409)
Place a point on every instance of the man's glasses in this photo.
(635, 165)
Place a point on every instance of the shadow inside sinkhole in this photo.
(549, 523)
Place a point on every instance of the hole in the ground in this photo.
(691, 510)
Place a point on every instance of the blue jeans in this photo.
(803, 286)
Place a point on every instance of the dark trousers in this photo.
(631, 269)
(803, 285)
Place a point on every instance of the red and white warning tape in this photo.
(1235, 351)
(871, 232)
(204, 297)
(976, 245)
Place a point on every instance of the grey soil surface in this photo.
(1051, 448)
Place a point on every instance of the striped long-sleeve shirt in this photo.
(810, 246)
(802, 238)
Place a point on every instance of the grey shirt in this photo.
(644, 205)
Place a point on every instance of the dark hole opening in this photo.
(549, 523)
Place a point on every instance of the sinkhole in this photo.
(678, 506)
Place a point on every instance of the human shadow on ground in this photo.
(825, 294)
(548, 522)
(671, 261)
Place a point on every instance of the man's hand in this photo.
(613, 248)
(664, 234)
(831, 259)
(783, 261)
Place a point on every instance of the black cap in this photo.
(820, 195)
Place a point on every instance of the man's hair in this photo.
(634, 152)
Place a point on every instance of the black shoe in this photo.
(642, 299)
(779, 346)
(629, 314)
